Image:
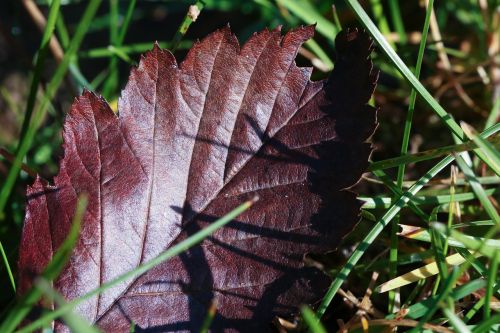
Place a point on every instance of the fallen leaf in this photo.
(190, 143)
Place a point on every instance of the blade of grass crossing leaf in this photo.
(456, 322)
(171, 252)
(74, 322)
(312, 321)
(478, 189)
(434, 153)
(55, 266)
(209, 317)
(39, 65)
(191, 16)
(41, 110)
(375, 231)
(7, 267)
(492, 278)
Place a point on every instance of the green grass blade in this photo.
(126, 22)
(171, 252)
(191, 16)
(7, 267)
(312, 321)
(448, 284)
(105, 52)
(393, 252)
(380, 18)
(417, 310)
(495, 112)
(492, 278)
(424, 235)
(52, 87)
(40, 64)
(493, 157)
(385, 202)
(487, 324)
(111, 83)
(399, 192)
(476, 264)
(434, 153)
(320, 53)
(484, 245)
(207, 322)
(74, 322)
(478, 189)
(456, 322)
(404, 70)
(55, 266)
(310, 15)
(375, 231)
(397, 21)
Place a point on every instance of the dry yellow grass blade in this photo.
(418, 274)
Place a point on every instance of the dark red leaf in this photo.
(191, 142)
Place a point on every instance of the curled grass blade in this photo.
(171, 252)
